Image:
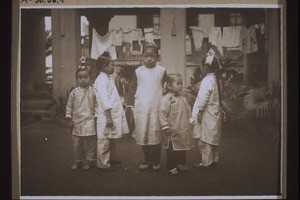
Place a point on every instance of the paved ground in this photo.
(248, 166)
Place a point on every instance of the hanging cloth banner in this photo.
(101, 44)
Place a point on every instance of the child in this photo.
(144, 94)
(207, 112)
(174, 113)
(111, 121)
(81, 110)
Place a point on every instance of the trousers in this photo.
(210, 153)
(175, 158)
(84, 147)
(106, 152)
(152, 153)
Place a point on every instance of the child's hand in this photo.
(109, 122)
(167, 132)
(199, 117)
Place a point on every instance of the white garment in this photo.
(148, 94)
(231, 36)
(198, 34)
(108, 98)
(149, 36)
(101, 44)
(133, 35)
(117, 37)
(215, 38)
(209, 130)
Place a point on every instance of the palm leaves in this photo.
(261, 103)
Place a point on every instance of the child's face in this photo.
(150, 57)
(83, 78)
(176, 86)
(109, 69)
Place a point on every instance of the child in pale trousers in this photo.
(111, 120)
(174, 112)
(206, 113)
(81, 109)
(145, 92)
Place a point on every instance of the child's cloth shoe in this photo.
(183, 168)
(174, 172)
(75, 166)
(156, 167)
(144, 166)
(201, 166)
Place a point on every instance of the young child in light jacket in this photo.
(206, 113)
(174, 112)
(111, 120)
(81, 111)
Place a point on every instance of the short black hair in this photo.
(150, 45)
(172, 77)
(103, 60)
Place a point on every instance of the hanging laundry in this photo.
(133, 38)
(231, 36)
(149, 36)
(188, 44)
(248, 40)
(215, 38)
(198, 34)
(101, 44)
(117, 37)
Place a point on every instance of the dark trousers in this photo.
(152, 153)
(175, 158)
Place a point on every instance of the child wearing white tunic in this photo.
(111, 121)
(174, 112)
(81, 109)
(145, 92)
(206, 114)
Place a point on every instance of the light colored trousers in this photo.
(106, 152)
(210, 153)
(84, 147)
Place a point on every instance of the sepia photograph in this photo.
(132, 101)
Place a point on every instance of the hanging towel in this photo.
(231, 36)
(248, 40)
(215, 38)
(198, 34)
(101, 44)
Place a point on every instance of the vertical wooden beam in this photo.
(66, 49)
(173, 50)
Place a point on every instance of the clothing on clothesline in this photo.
(101, 44)
(117, 37)
(198, 34)
(248, 40)
(134, 38)
(215, 37)
(231, 36)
